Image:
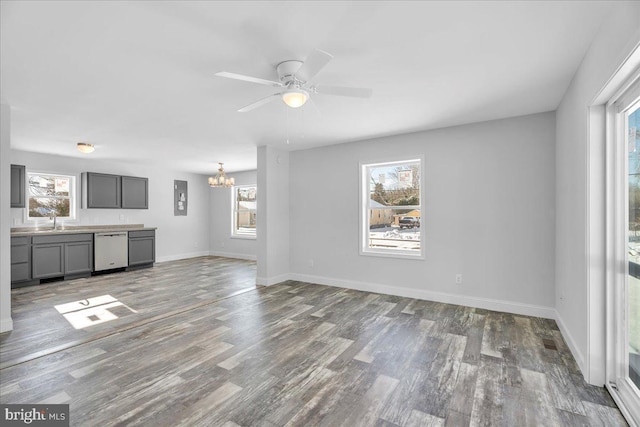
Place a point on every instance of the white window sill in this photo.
(243, 237)
(59, 222)
(392, 254)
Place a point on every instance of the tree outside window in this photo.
(51, 195)
(392, 210)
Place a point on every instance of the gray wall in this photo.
(579, 194)
(488, 214)
(6, 323)
(273, 216)
(221, 221)
(177, 236)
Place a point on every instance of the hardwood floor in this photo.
(304, 355)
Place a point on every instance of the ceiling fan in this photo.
(294, 81)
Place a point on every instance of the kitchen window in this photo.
(244, 211)
(51, 194)
(391, 214)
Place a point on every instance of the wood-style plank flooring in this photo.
(298, 354)
(152, 292)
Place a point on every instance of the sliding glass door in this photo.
(624, 294)
(632, 297)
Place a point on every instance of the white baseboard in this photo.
(6, 325)
(233, 255)
(182, 256)
(268, 281)
(469, 301)
(568, 338)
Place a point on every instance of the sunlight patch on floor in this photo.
(92, 311)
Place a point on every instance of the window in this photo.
(244, 211)
(391, 212)
(51, 194)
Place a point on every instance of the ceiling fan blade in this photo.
(356, 92)
(315, 107)
(259, 103)
(312, 66)
(248, 79)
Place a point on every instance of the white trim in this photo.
(618, 83)
(269, 281)
(593, 368)
(628, 412)
(6, 325)
(177, 257)
(571, 342)
(390, 253)
(617, 353)
(469, 301)
(364, 207)
(234, 230)
(244, 237)
(249, 257)
(73, 199)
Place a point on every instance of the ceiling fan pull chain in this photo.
(286, 125)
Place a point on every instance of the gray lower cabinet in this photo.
(20, 259)
(142, 247)
(48, 260)
(100, 190)
(66, 255)
(18, 186)
(135, 192)
(78, 258)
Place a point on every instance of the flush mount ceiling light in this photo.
(85, 147)
(221, 180)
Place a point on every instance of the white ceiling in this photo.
(137, 78)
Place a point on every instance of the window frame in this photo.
(234, 228)
(364, 208)
(617, 377)
(73, 198)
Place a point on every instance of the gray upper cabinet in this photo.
(101, 190)
(18, 185)
(105, 191)
(135, 193)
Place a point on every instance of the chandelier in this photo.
(221, 180)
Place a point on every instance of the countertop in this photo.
(77, 229)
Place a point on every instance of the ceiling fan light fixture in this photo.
(295, 98)
(85, 147)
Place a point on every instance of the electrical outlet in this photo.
(458, 279)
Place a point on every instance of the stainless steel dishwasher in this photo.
(111, 250)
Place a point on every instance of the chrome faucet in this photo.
(54, 217)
